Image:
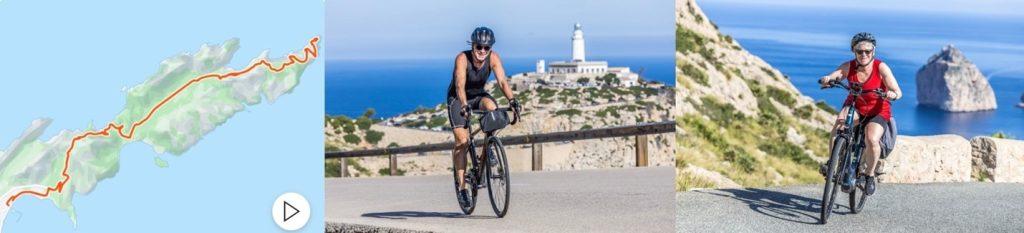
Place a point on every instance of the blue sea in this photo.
(806, 43)
(392, 87)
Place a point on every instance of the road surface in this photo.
(608, 200)
(936, 207)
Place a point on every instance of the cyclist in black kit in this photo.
(466, 92)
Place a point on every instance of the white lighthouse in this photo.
(570, 73)
(578, 51)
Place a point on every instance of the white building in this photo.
(566, 73)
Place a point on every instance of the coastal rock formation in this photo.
(922, 159)
(1021, 104)
(998, 160)
(952, 83)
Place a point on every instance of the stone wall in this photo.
(952, 158)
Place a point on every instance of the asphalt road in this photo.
(608, 200)
(936, 207)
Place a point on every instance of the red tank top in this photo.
(869, 104)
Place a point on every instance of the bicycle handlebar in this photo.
(877, 92)
(515, 115)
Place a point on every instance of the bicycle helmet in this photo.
(482, 36)
(861, 37)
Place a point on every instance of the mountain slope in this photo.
(740, 121)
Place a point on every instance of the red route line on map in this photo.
(308, 52)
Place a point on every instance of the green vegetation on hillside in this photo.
(754, 148)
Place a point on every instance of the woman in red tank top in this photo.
(872, 74)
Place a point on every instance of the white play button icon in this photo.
(289, 208)
(290, 211)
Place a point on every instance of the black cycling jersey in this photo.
(475, 78)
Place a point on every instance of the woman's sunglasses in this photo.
(483, 48)
(863, 51)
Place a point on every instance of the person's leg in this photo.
(487, 103)
(459, 154)
(461, 134)
(873, 147)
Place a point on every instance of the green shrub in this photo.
(741, 159)
(387, 171)
(689, 70)
(369, 112)
(804, 112)
(783, 97)
(824, 106)
(348, 128)
(784, 149)
(373, 136)
(718, 111)
(688, 41)
(437, 121)
(352, 139)
(568, 112)
(769, 72)
(364, 122)
(1003, 135)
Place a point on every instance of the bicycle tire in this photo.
(831, 181)
(498, 178)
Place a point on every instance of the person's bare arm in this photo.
(835, 74)
(894, 92)
(461, 61)
(499, 74)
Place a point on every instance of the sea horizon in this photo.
(395, 86)
(806, 49)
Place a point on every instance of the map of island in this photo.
(187, 97)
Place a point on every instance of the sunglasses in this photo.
(863, 51)
(483, 47)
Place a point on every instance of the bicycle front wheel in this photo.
(498, 185)
(832, 180)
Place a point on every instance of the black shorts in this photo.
(455, 119)
(888, 140)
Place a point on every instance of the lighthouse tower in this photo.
(578, 52)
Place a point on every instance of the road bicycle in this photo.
(481, 171)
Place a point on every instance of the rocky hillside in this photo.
(740, 121)
(599, 104)
(952, 83)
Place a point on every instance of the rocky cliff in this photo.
(952, 83)
(740, 121)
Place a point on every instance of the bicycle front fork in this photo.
(851, 171)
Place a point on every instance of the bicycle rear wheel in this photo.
(857, 201)
(498, 185)
(832, 180)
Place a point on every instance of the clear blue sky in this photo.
(1002, 8)
(408, 29)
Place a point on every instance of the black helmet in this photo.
(861, 37)
(482, 36)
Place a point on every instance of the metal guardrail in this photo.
(640, 131)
